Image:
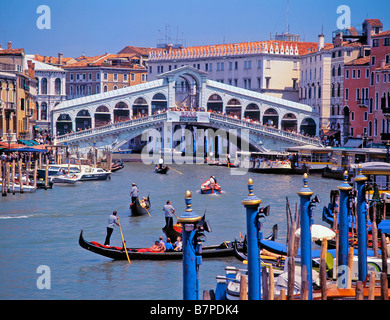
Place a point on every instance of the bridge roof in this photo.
(110, 94)
(257, 95)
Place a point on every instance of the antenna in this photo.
(287, 18)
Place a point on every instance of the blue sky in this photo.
(99, 26)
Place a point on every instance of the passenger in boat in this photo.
(134, 192)
(112, 221)
(168, 245)
(178, 244)
(169, 210)
(157, 247)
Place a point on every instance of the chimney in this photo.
(321, 42)
(9, 45)
(60, 59)
(31, 69)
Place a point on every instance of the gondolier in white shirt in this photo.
(169, 210)
(134, 192)
(112, 221)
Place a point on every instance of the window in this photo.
(115, 77)
(365, 116)
(372, 60)
(105, 76)
(346, 74)
(351, 132)
(144, 77)
(352, 116)
(267, 81)
(339, 70)
(386, 42)
(367, 73)
(77, 76)
(151, 70)
(44, 86)
(357, 94)
(375, 43)
(346, 94)
(84, 76)
(132, 77)
(268, 64)
(230, 65)
(259, 63)
(206, 67)
(98, 76)
(358, 73)
(235, 65)
(90, 76)
(57, 86)
(71, 77)
(125, 77)
(353, 74)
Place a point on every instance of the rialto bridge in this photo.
(179, 101)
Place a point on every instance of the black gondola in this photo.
(117, 165)
(172, 231)
(162, 169)
(117, 253)
(138, 209)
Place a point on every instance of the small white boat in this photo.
(66, 178)
(91, 173)
(26, 188)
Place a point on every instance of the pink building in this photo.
(378, 126)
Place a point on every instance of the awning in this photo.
(29, 143)
(37, 128)
(353, 143)
(331, 133)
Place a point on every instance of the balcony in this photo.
(8, 105)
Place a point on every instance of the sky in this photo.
(94, 27)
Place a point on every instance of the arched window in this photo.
(44, 86)
(57, 86)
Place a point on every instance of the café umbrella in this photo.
(319, 232)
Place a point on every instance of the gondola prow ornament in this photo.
(193, 236)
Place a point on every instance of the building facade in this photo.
(18, 88)
(269, 67)
(94, 75)
(50, 92)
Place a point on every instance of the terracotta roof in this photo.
(374, 22)
(384, 33)
(359, 61)
(49, 59)
(102, 61)
(12, 51)
(136, 50)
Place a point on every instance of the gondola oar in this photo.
(124, 244)
(175, 170)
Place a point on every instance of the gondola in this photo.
(162, 169)
(208, 189)
(117, 165)
(139, 209)
(117, 253)
(172, 231)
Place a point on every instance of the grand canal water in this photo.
(43, 228)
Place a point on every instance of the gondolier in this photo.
(112, 221)
(134, 192)
(169, 210)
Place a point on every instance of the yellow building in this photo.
(18, 89)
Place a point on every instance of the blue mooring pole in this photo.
(360, 180)
(344, 188)
(306, 252)
(191, 261)
(251, 204)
